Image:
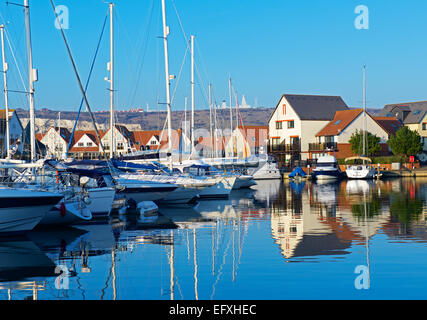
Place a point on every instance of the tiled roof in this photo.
(409, 113)
(340, 121)
(311, 107)
(389, 124)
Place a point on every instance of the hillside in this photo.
(142, 120)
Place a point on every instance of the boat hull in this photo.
(221, 190)
(181, 196)
(101, 201)
(71, 213)
(22, 211)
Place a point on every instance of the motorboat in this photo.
(327, 169)
(21, 210)
(266, 170)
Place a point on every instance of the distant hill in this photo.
(46, 118)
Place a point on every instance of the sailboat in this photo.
(363, 170)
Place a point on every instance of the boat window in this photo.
(326, 164)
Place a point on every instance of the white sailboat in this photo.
(363, 168)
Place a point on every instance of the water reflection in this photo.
(221, 249)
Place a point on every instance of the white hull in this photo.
(21, 219)
(267, 171)
(101, 201)
(22, 210)
(144, 191)
(181, 196)
(361, 172)
(220, 190)
(244, 182)
(74, 213)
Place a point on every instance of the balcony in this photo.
(285, 148)
(319, 147)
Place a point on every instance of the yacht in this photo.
(327, 169)
(363, 170)
(21, 210)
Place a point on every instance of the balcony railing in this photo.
(287, 148)
(327, 146)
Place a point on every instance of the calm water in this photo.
(354, 240)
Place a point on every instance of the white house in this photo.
(56, 141)
(16, 129)
(123, 140)
(297, 119)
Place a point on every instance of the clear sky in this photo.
(268, 47)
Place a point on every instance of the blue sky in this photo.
(268, 47)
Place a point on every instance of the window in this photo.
(279, 125)
(337, 122)
(291, 124)
(89, 144)
(424, 126)
(153, 143)
(81, 144)
(276, 141)
(120, 146)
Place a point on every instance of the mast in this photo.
(185, 122)
(32, 78)
(110, 67)
(192, 94)
(231, 116)
(364, 111)
(210, 121)
(168, 78)
(6, 96)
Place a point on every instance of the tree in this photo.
(372, 143)
(405, 143)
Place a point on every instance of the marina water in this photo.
(277, 240)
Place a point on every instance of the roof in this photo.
(390, 124)
(340, 121)
(313, 107)
(409, 113)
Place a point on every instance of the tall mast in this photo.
(364, 110)
(111, 81)
(192, 94)
(185, 121)
(32, 73)
(168, 78)
(231, 115)
(6, 96)
(210, 120)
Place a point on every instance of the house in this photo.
(85, 145)
(56, 141)
(335, 137)
(295, 122)
(123, 140)
(414, 116)
(16, 131)
(247, 141)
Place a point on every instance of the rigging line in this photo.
(179, 76)
(87, 84)
(15, 60)
(140, 65)
(81, 87)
